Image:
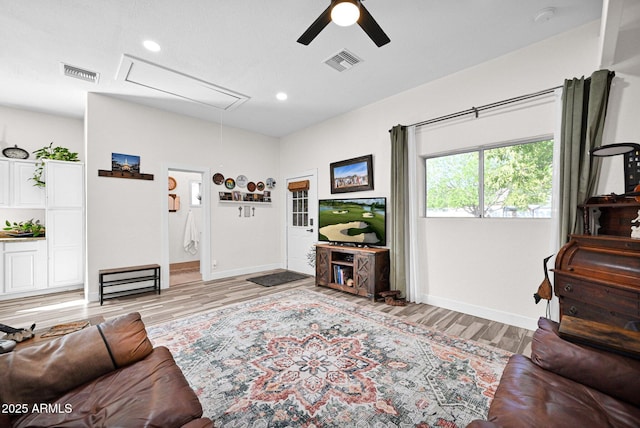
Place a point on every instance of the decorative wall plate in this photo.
(251, 186)
(241, 181)
(229, 183)
(271, 183)
(172, 183)
(218, 178)
(260, 186)
(15, 152)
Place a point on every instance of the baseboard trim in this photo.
(40, 292)
(481, 311)
(242, 271)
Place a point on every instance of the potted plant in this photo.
(50, 152)
(25, 228)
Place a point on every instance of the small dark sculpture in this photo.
(545, 289)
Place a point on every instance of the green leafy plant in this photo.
(50, 152)
(23, 227)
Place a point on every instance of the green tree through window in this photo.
(517, 182)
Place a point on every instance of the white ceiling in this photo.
(249, 47)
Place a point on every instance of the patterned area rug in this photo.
(300, 358)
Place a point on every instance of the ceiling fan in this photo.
(345, 13)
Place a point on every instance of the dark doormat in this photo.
(277, 278)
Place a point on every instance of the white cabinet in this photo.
(17, 190)
(4, 183)
(65, 244)
(65, 222)
(65, 183)
(25, 266)
(58, 260)
(25, 194)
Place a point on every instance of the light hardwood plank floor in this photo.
(182, 300)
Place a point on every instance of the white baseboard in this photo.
(40, 292)
(219, 274)
(481, 311)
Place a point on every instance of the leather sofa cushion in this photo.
(40, 373)
(151, 393)
(607, 372)
(529, 396)
(126, 338)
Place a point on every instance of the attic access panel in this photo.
(140, 72)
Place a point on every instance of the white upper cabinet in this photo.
(64, 184)
(21, 189)
(4, 183)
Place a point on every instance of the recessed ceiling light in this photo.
(151, 45)
(281, 96)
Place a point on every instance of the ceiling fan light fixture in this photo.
(345, 12)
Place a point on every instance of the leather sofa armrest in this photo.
(607, 372)
(41, 373)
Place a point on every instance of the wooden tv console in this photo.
(358, 270)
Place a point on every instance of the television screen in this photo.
(360, 221)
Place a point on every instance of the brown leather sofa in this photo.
(565, 385)
(107, 375)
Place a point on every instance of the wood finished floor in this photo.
(194, 297)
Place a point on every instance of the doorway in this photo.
(186, 225)
(302, 211)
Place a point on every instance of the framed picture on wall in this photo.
(122, 162)
(352, 175)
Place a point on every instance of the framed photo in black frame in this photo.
(352, 175)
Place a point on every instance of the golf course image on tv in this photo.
(359, 221)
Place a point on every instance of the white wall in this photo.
(489, 268)
(32, 131)
(124, 216)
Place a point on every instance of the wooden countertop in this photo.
(4, 237)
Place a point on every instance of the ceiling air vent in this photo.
(80, 73)
(343, 60)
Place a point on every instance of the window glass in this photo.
(300, 208)
(517, 180)
(452, 186)
(504, 181)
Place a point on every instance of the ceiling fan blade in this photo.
(371, 27)
(314, 29)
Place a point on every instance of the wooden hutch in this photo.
(597, 274)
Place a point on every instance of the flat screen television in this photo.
(357, 221)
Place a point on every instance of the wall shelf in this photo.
(124, 174)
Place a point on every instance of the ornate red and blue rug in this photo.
(301, 358)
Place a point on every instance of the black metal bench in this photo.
(128, 275)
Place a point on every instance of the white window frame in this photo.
(479, 150)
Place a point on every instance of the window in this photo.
(300, 208)
(501, 181)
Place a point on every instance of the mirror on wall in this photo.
(196, 193)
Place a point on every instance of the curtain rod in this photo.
(476, 110)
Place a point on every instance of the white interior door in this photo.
(302, 234)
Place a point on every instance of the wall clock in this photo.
(15, 152)
(242, 181)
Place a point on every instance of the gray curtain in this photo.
(584, 108)
(399, 208)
